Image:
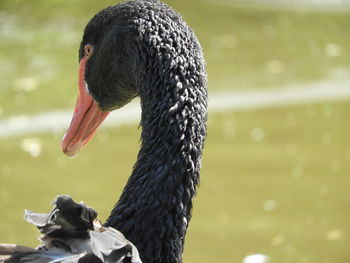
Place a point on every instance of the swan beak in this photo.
(86, 118)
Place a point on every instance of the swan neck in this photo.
(155, 207)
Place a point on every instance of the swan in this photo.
(137, 48)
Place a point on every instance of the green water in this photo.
(273, 181)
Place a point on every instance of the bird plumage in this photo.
(71, 233)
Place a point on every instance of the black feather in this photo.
(71, 234)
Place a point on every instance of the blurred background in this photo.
(276, 168)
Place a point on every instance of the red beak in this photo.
(86, 118)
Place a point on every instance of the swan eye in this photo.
(88, 50)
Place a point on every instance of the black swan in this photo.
(135, 48)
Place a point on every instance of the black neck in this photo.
(155, 207)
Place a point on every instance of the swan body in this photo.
(144, 48)
(71, 233)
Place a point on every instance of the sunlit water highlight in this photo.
(218, 102)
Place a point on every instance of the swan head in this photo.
(109, 51)
(108, 76)
(136, 48)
